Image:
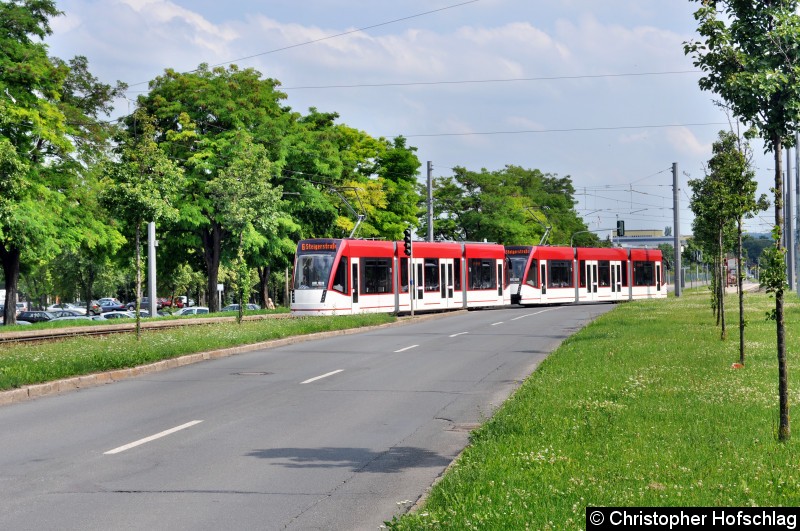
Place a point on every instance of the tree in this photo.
(199, 116)
(49, 129)
(722, 200)
(245, 202)
(749, 54)
(511, 206)
(732, 161)
(140, 188)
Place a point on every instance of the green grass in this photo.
(24, 364)
(641, 408)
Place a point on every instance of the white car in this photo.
(67, 306)
(119, 315)
(74, 318)
(193, 310)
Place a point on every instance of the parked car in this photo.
(194, 310)
(119, 315)
(3, 322)
(111, 305)
(35, 316)
(183, 301)
(93, 307)
(144, 304)
(81, 310)
(235, 307)
(66, 313)
(76, 318)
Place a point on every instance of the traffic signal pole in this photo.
(409, 251)
(677, 229)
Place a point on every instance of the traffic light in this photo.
(620, 228)
(407, 241)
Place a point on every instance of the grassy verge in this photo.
(641, 408)
(25, 364)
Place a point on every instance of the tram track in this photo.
(53, 334)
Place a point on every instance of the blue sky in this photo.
(598, 91)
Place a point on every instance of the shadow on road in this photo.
(357, 459)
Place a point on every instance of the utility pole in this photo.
(430, 201)
(788, 229)
(151, 268)
(796, 242)
(676, 213)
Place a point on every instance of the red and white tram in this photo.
(550, 275)
(344, 276)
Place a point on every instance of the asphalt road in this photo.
(340, 433)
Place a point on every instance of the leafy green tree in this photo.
(510, 206)
(199, 116)
(246, 203)
(749, 53)
(722, 200)
(49, 132)
(713, 230)
(397, 167)
(140, 188)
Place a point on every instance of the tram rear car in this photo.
(551, 275)
(342, 276)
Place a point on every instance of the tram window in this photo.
(404, 275)
(531, 279)
(481, 274)
(431, 274)
(582, 269)
(313, 271)
(560, 274)
(376, 275)
(516, 268)
(457, 274)
(644, 274)
(340, 277)
(625, 273)
(604, 273)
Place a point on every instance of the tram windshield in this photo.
(517, 268)
(313, 271)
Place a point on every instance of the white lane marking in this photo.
(407, 348)
(529, 314)
(152, 437)
(320, 377)
(459, 334)
(499, 323)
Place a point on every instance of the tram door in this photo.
(354, 285)
(658, 276)
(446, 283)
(543, 280)
(616, 280)
(590, 273)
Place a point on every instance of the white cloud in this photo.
(686, 143)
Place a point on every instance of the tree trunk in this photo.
(10, 258)
(138, 282)
(715, 288)
(263, 285)
(212, 249)
(723, 286)
(740, 281)
(784, 431)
